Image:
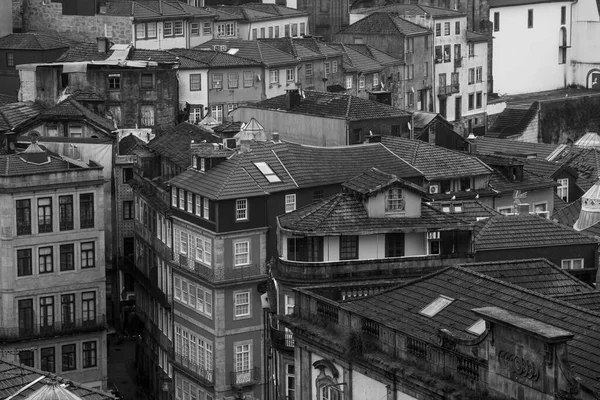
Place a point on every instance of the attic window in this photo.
(264, 168)
(203, 164)
(477, 328)
(446, 207)
(436, 306)
(458, 208)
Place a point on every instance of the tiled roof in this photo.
(72, 110)
(525, 231)
(160, 56)
(539, 275)
(6, 99)
(344, 213)
(332, 105)
(508, 3)
(89, 52)
(14, 114)
(471, 210)
(374, 180)
(304, 48)
(477, 37)
(590, 139)
(196, 58)
(414, 9)
(531, 180)
(21, 381)
(254, 12)
(154, 10)
(384, 23)
(586, 161)
(512, 121)
(488, 145)
(589, 300)
(569, 214)
(399, 308)
(296, 165)
(32, 41)
(15, 165)
(361, 61)
(256, 50)
(436, 162)
(370, 51)
(173, 142)
(129, 144)
(82, 96)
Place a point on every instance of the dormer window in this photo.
(458, 207)
(195, 162)
(446, 207)
(203, 164)
(268, 173)
(395, 200)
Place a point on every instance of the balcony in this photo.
(457, 62)
(249, 377)
(203, 271)
(23, 228)
(282, 339)
(58, 328)
(448, 89)
(206, 376)
(399, 267)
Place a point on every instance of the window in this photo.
(458, 107)
(471, 76)
(294, 30)
(206, 208)
(277, 31)
(334, 66)
(327, 68)
(457, 28)
(10, 59)
(308, 69)
(348, 81)
(178, 28)
(434, 241)
(562, 190)
(576, 263)
(190, 203)
(46, 313)
(410, 99)
(88, 350)
(67, 309)
(348, 247)
(290, 381)
(242, 357)
(183, 243)
(75, 130)
(478, 100)
(241, 253)
(45, 214)
(174, 197)
(195, 82)
(409, 71)
(394, 244)
(206, 28)
(241, 304)
(446, 28)
(25, 317)
(181, 199)
(496, 21)
(375, 79)
(286, 29)
(302, 28)
(233, 80)
(67, 257)
(195, 28)
(177, 285)
(290, 202)
(447, 53)
(198, 210)
(195, 114)
(167, 28)
(26, 358)
(203, 251)
(127, 174)
(86, 210)
(248, 78)
(23, 217)
(270, 32)
(68, 357)
(114, 81)
(241, 209)
(410, 44)
(290, 75)
(471, 101)
(45, 260)
(395, 200)
(563, 15)
(217, 112)
(438, 54)
(436, 306)
(140, 31)
(88, 306)
(47, 358)
(361, 81)
(65, 212)
(562, 48)
(274, 76)
(217, 81)
(87, 255)
(151, 30)
(438, 29)
(24, 262)
(505, 210)
(128, 210)
(479, 74)
(471, 47)
(530, 18)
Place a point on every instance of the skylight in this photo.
(477, 328)
(264, 168)
(436, 306)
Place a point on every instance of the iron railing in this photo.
(57, 328)
(243, 378)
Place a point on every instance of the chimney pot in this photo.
(275, 137)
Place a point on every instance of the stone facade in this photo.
(34, 15)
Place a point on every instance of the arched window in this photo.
(562, 48)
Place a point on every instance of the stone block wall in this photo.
(37, 16)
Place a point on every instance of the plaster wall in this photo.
(517, 69)
(246, 28)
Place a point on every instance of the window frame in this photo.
(22, 256)
(47, 266)
(571, 262)
(242, 309)
(89, 356)
(10, 59)
(48, 359)
(241, 210)
(88, 253)
(248, 77)
(45, 217)
(69, 354)
(217, 80)
(530, 18)
(195, 86)
(86, 211)
(290, 202)
(233, 80)
(349, 247)
(23, 216)
(239, 250)
(66, 253)
(395, 200)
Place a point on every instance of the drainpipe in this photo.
(570, 40)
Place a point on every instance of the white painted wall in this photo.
(415, 244)
(288, 3)
(196, 96)
(277, 89)
(186, 41)
(585, 50)
(526, 59)
(246, 28)
(366, 388)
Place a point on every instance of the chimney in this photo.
(103, 44)
(292, 97)
(245, 146)
(275, 137)
(472, 139)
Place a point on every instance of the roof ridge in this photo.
(400, 158)
(336, 199)
(348, 106)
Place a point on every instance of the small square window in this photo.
(147, 81)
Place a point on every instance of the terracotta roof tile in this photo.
(13, 114)
(70, 109)
(524, 231)
(488, 145)
(586, 161)
(32, 41)
(470, 210)
(412, 10)
(589, 300)
(196, 58)
(374, 180)
(256, 50)
(384, 23)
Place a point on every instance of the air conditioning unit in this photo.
(434, 189)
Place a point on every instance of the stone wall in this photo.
(37, 16)
(17, 15)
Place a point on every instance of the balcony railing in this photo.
(243, 378)
(448, 89)
(457, 62)
(86, 223)
(206, 376)
(23, 228)
(282, 339)
(58, 328)
(222, 274)
(45, 227)
(65, 225)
